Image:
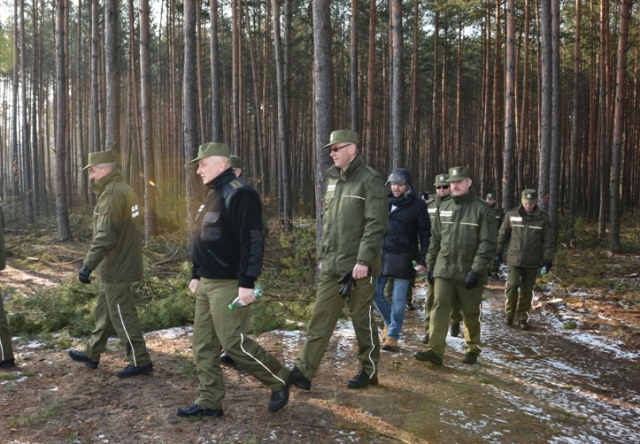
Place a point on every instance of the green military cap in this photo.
(529, 196)
(441, 179)
(98, 157)
(458, 173)
(340, 136)
(235, 162)
(491, 196)
(211, 149)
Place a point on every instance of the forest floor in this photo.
(547, 385)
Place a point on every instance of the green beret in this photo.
(340, 136)
(529, 196)
(98, 157)
(458, 173)
(211, 149)
(441, 179)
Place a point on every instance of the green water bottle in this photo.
(257, 292)
(423, 275)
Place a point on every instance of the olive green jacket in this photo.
(356, 214)
(433, 204)
(499, 215)
(116, 250)
(3, 257)
(529, 238)
(463, 238)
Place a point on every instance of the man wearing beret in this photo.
(6, 349)
(355, 220)
(443, 193)
(227, 251)
(497, 211)
(116, 257)
(463, 241)
(527, 235)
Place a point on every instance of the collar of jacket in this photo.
(352, 169)
(224, 178)
(100, 184)
(465, 198)
(534, 213)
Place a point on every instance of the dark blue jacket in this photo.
(407, 239)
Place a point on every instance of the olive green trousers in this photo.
(6, 349)
(520, 301)
(456, 312)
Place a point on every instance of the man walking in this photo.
(116, 256)
(228, 248)
(355, 219)
(443, 192)
(406, 240)
(528, 237)
(6, 349)
(463, 241)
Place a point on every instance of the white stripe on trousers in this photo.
(372, 344)
(256, 359)
(133, 351)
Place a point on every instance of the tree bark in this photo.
(353, 72)
(397, 90)
(371, 81)
(112, 70)
(508, 172)
(216, 96)
(546, 104)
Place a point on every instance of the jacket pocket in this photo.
(211, 229)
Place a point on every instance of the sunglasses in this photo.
(443, 187)
(338, 148)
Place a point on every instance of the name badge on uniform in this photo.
(446, 213)
(516, 218)
(135, 212)
(432, 210)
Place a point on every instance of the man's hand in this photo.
(547, 265)
(246, 296)
(430, 276)
(193, 285)
(360, 271)
(471, 280)
(420, 269)
(83, 275)
(497, 259)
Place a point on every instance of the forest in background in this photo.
(527, 93)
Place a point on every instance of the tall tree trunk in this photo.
(508, 174)
(618, 124)
(62, 213)
(112, 70)
(545, 104)
(604, 117)
(27, 190)
(575, 119)
(414, 121)
(216, 96)
(323, 75)
(554, 170)
(371, 81)
(524, 110)
(235, 77)
(397, 82)
(95, 91)
(497, 101)
(435, 136)
(14, 161)
(150, 216)
(190, 108)
(355, 125)
(284, 171)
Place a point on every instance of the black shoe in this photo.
(130, 370)
(197, 411)
(8, 363)
(79, 356)
(227, 360)
(299, 380)
(280, 398)
(428, 356)
(470, 358)
(410, 306)
(524, 325)
(425, 340)
(508, 320)
(362, 380)
(455, 330)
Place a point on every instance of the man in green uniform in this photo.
(227, 252)
(6, 349)
(116, 256)
(491, 202)
(463, 241)
(443, 193)
(355, 221)
(528, 237)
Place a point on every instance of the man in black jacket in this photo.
(228, 247)
(406, 240)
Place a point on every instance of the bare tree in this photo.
(216, 97)
(545, 109)
(112, 70)
(371, 77)
(397, 82)
(575, 117)
(554, 167)
(508, 173)
(353, 76)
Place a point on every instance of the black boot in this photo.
(362, 380)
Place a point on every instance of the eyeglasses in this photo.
(443, 187)
(338, 148)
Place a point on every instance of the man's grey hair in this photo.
(111, 165)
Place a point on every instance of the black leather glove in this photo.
(497, 259)
(471, 280)
(430, 276)
(83, 275)
(547, 265)
(345, 284)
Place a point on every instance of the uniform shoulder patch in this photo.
(236, 184)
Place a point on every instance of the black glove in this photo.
(345, 284)
(547, 265)
(497, 259)
(430, 275)
(83, 275)
(471, 280)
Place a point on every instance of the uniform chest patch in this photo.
(515, 218)
(135, 211)
(331, 187)
(446, 213)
